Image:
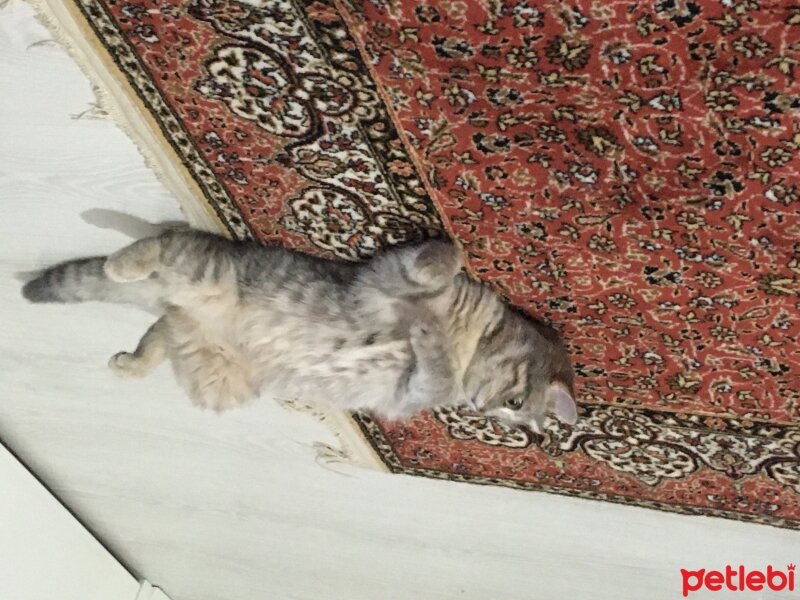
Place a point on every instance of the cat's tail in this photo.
(85, 279)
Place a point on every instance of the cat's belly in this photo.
(336, 362)
(361, 378)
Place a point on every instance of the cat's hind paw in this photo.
(134, 262)
(125, 364)
(125, 271)
(223, 393)
(217, 381)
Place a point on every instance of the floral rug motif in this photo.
(627, 172)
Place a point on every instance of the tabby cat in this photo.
(403, 332)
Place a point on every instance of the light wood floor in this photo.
(235, 507)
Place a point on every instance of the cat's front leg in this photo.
(430, 380)
(435, 263)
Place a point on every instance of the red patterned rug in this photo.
(628, 172)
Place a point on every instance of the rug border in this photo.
(394, 465)
(350, 22)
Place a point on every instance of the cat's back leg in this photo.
(134, 262)
(183, 261)
(213, 371)
(148, 354)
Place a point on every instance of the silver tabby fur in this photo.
(403, 332)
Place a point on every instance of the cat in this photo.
(403, 332)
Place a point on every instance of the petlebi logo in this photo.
(739, 579)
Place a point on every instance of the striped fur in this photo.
(405, 332)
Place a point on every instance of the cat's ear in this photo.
(561, 403)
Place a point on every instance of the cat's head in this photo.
(520, 374)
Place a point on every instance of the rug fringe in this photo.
(352, 448)
(114, 99)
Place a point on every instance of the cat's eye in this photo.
(514, 403)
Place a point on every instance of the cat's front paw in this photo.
(438, 262)
(425, 335)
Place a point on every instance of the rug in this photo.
(627, 172)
